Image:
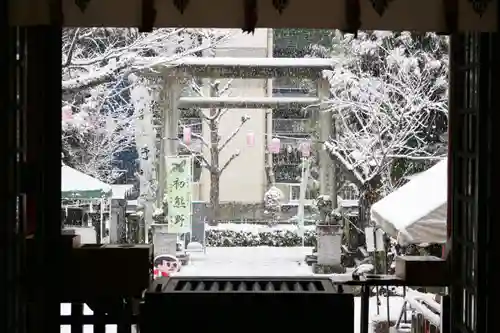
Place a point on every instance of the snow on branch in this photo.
(244, 119)
(228, 162)
(389, 101)
(94, 56)
(109, 109)
(203, 161)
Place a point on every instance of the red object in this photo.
(157, 273)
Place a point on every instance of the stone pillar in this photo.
(117, 223)
(144, 95)
(329, 237)
(327, 177)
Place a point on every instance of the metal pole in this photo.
(302, 197)
(269, 112)
(365, 309)
(101, 225)
(332, 175)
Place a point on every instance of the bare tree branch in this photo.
(201, 138)
(69, 55)
(204, 162)
(231, 158)
(244, 119)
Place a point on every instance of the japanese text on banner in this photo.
(179, 193)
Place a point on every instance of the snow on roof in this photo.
(416, 212)
(76, 184)
(120, 191)
(410, 177)
(307, 63)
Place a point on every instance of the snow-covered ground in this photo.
(249, 261)
(257, 261)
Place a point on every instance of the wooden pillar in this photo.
(41, 158)
(12, 258)
(473, 180)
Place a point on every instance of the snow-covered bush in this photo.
(278, 238)
(272, 202)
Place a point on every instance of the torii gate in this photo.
(255, 68)
(226, 67)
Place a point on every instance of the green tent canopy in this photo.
(77, 185)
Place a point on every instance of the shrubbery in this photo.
(279, 238)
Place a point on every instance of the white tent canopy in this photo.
(77, 185)
(416, 212)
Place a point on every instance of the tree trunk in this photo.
(214, 170)
(368, 196)
(214, 197)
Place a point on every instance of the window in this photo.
(295, 193)
(286, 164)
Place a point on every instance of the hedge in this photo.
(279, 238)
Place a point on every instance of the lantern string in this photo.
(273, 135)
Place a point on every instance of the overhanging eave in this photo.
(421, 15)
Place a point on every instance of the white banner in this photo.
(179, 193)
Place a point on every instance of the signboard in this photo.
(164, 242)
(179, 192)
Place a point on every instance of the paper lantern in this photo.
(67, 113)
(250, 139)
(305, 148)
(275, 146)
(186, 135)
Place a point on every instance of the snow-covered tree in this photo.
(100, 68)
(389, 103)
(100, 138)
(215, 143)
